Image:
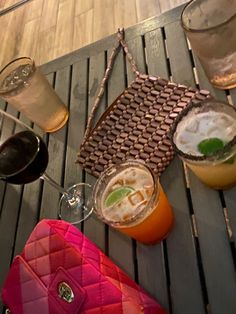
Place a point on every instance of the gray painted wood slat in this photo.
(157, 65)
(76, 124)
(215, 249)
(230, 195)
(94, 229)
(8, 219)
(120, 246)
(56, 146)
(155, 52)
(14, 244)
(155, 284)
(30, 203)
(205, 202)
(2, 184)
(184, 272)
(77, 121)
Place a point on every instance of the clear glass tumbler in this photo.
(210, 27)
(204, 136)
(24, 86)
(130, 198)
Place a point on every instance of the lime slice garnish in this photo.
(210, 145)
(117, 195)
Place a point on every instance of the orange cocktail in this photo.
(130, 198)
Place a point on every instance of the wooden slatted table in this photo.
(193, 271)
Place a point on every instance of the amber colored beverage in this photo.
(156, 225)
(130, 198)
(24, 86)
(218, 176)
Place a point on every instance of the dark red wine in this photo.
(23, 158)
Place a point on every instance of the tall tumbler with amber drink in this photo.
(210, 27)
(204, 136)
(130, 198)
(23, 85)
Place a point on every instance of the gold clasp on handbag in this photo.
(65, 292)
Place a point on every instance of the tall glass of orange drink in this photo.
(130, 198)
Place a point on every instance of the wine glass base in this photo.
(76, 206)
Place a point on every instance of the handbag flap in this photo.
(24, 293)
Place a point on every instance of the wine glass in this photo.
(24, 159)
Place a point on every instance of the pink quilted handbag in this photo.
(61, 271)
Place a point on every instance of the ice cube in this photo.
(230, 132)
(148, 190)
(136, 198)
(193, 126)
(182, 140)
(223, 120)
(117, 184)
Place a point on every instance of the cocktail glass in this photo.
(130, 198)
(210, 27)
(24, 159)
(24, 86)
(216, 167)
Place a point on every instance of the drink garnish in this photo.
(209, 146)
(117, 195)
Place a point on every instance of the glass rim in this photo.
(198, 30)
(12, 62)
(17, 121)
(138, 214)
(215, 157)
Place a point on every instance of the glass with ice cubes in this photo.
(204, 136)
(24, 86)
(130, 198)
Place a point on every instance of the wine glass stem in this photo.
(60, 189)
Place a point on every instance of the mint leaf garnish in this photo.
(209, 146)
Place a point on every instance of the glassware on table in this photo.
(210, 27)
(24, 86)
(24, 159)
(204, 136)
(130, 198)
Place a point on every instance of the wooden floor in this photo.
(47, 29)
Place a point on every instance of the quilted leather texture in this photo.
(57, 251)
